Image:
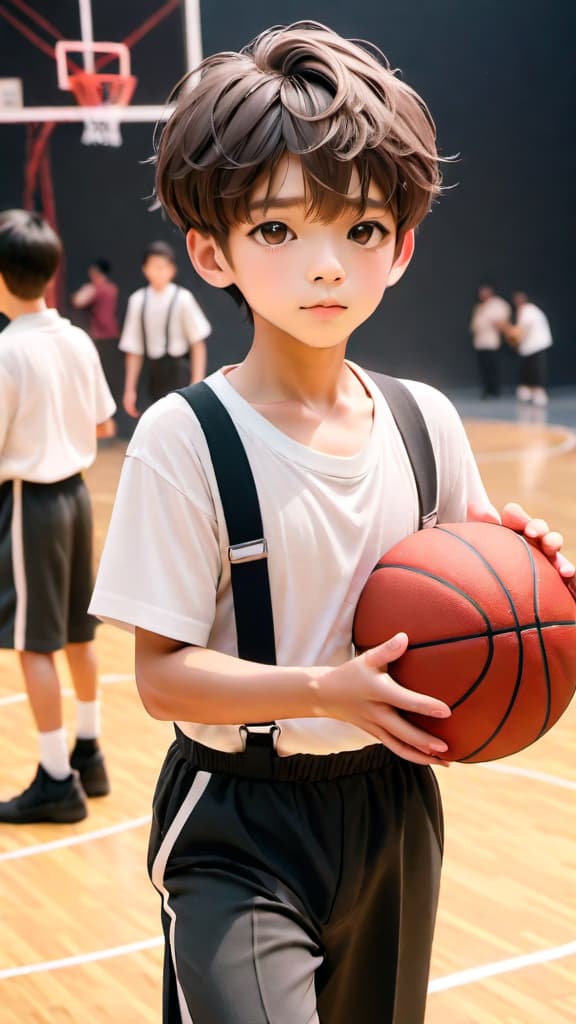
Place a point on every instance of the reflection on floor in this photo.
(561, 409)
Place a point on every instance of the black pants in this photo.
(489, 369)
(305, 897)
(533, 369)
(167, 374)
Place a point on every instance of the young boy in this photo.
(298, 860)
(54, 402)
(165, 326)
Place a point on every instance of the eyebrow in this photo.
(290, 202)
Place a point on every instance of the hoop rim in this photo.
(87, 88)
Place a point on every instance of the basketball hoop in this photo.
(94, 90)
(98, 91)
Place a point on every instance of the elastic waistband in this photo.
(262, 762)
(33, 485)
(63, 485)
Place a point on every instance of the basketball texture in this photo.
(491, 629)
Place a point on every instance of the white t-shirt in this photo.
(175, 312)
(327, 519)
(535, 330)
(53, 393)
(485, 334)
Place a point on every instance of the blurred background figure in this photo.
(99, 298)
(531, 337)
(164, 329)
(488, 313)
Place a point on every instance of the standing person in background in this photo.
(54, 403)
(531, 337)
(99, 296)
(165, 327)
(487, 315)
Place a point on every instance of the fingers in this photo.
(538, 532)
(482, 514)
(381, 656)
(403, 749)
(396, 696)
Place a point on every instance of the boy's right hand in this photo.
(361, 692)
(129, 403)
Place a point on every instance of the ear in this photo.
(208, 259)
(403, 259)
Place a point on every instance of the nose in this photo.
(326, 268)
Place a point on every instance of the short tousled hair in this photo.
(30, 252)
(299, 90)
(104, 266)
(159, 249)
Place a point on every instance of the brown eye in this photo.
(273, 233)
(367, 234)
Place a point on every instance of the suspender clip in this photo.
(429, 520)
(249, 551)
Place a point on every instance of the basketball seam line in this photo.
(491, 633)
(520, 668)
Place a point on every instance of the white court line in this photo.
(82, 958)
(528, 773)
(113, 677)
(466, 977)
(86, 837)
(516, 963)
(561, 448)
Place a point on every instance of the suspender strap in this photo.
(247, 551)
(166, 326)
(414, 433)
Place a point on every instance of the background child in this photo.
(54, 402)
(489, 311)
(531, 336)
(164, 327)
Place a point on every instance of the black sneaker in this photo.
(46, 799)
(88, 760)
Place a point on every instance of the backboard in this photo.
(32, 39)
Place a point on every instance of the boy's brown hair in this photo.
(301, 90)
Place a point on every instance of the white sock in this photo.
(54, 753)
(87, 719)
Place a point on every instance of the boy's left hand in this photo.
(535, 530)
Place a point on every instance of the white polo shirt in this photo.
(327, 520)
(53, 393)
(535, 330)
(173, 322)
(485, 333)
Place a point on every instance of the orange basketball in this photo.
(491, 629)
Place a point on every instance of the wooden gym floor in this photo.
(80, 936)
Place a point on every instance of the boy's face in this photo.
(313, 281)
(159, 271)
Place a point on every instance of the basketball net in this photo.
(94, 90)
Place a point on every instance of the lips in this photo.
(325, 305)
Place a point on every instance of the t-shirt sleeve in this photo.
(8, 404)
(161, 561)
(104, 404)
(131, 339)
(196, 326)
(459, 480)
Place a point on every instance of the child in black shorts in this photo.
(54, 402)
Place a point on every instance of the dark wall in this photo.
(499, 78)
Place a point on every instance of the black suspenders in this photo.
(166, 326)
(247, 551)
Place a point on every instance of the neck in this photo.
(14, 307)
(280, 368)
